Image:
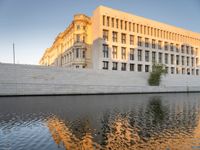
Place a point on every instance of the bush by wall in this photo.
(155, 75)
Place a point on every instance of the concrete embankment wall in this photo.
(39, 80)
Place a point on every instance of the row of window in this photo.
(174, 59)
(139, 68)
(144, 29)
(149, 43)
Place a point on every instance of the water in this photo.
(148, 121)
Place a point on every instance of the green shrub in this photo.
(155, 75)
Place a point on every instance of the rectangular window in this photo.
(131, 40)
(139, 55)
(78, 37)
(131, 54)
(113, 22)
(139, 41)
(153, 43)
(183, 70)
(114, 36)
(146, 42)
(117, 23)
(108, 21)
(172, 70)
(123, 38)
(166, 46)
(197, 71)
(105, 50)
(105, 65)
(172, 47)
(177, 60)
(83, 54)
(187, 49)
(123, 53)
(166, 58)
(77, 53)
(114, 52)
(114, 66)
(121, 23)
(153, 57)
(192, 50)
(188, 61)
(147, 56)
(105, 35)
(103, 20)
(132, 67)
(139, 68)
(172, 59)
(159, 44)
(192, 61)
(123, 68)
(160, 57)
(146, 68)
(182, 49)
(177, 48)
(183, 60)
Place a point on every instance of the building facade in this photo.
(116, 40)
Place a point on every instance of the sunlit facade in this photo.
(115, 40)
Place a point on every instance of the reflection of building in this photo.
(116, 40)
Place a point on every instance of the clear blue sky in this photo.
(33, 24)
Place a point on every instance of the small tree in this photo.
(155, 75)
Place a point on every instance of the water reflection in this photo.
(124, 122)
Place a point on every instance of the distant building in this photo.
(116, 40)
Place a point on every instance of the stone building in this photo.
(116, 40)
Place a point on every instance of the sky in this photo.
(33, 24)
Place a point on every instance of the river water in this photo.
(138, 121)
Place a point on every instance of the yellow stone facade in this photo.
(116, 40)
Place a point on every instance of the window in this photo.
(172, 47)
(104, 20)
(192, 50)
(131, 54)
(183, 60)
(177, 48)
(114, 66)
(113, 22)
(197, 71)
(117, 23)
(105, 65)
(121, 23)
(139, 68)
(108, 21)
(123, 53)
(105, 35)
(159, 44)
(123, 38)
(197, 61)
(83, 54)
(188, 61)
(146, 68)
(131, 40)
(132, 67)
(188, 71)
(78, 38)
(182, 48)
(172, 59)
(177, 71)
(125, 26)
(192, 61)
(183, 70)
(105, 50)
(160, 57)
(172, 70)
(153, 57)
(146, 42)
(139, 41)
(78, 27)
(177, 60)
(153, 43)
(187, 49)
(114, 52)
(77, 52)
(139, 55)
(114, 36)
(123, 67)
(166, 58)
(147, 56)
(167, 69)
(166, 46)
